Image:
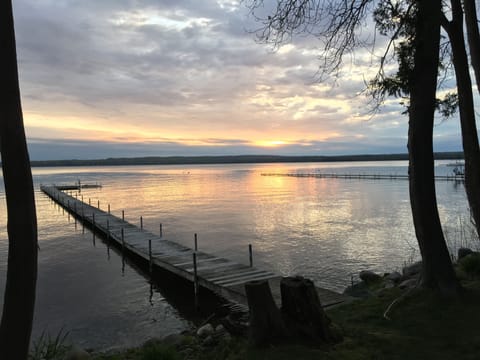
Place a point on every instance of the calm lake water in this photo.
(324, 229)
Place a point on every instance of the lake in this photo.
(324, 229)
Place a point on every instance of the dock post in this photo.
(195, 241)
(123, 215)
(108, 230)
(98, 204)
(195, 280)
(141, 222)
(250, 254)
(123, 240)
(150, 255)
(93, 228)
(89, 201)
(68, 207)
(82, 198)
(109, 208)
(161, 232)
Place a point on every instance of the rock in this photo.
(412, 270)
(409, 283)
(369, 277)
(358, 290)
(389, 284)
(394, 276)
(220, 329)
(205, 331)
(209, 341)
(75, 353)
(462, 252)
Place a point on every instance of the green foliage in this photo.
(47, 347)
(396, 20)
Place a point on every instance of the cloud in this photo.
(184, 69)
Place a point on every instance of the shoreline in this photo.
(233, 159)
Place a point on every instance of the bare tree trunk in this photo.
(19, 299)
(266, 322)
(437, 267)
(471, 148)
(304, 313)
(473, 34)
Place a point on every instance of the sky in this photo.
(128, 78)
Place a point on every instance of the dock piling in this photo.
(195, 280)
(93, 226)
(195, 241)
(250, 254)
(141, 222)
(161, 232)
(98, 204)
(123, 215)
(150, 255)
(123, 240)
(109, 208)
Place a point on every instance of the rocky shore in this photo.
(218, 333)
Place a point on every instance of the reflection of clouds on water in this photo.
(325, 229)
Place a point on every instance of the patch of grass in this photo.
(47, 347)
(421, 326)
(159, 352)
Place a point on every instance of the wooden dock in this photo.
(222, 276)
(457, 178)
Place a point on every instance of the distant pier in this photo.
(222, 276)
(456, 178)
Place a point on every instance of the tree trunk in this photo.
(304, 312)
(266, 322)
(471, 148)
(19, 298)
(437, 269)
(473, 34)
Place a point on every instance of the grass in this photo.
(48, 347)
(421, 326)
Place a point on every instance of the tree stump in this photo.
(266, 322)
(304, 313)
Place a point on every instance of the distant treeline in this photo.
(235, 159)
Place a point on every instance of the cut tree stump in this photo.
(304, 313)
(266, 322)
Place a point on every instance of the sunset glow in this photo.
(172, 78)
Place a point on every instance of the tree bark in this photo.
(473, 34)
(437, 269)
(266, 322)
(304, 313)
(19, 298)
(471, 148)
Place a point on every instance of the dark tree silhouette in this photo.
(335, 23)
(437, 268)
(471, 21)
(19, 299)
(471, 150)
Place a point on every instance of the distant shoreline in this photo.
(234, 159)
